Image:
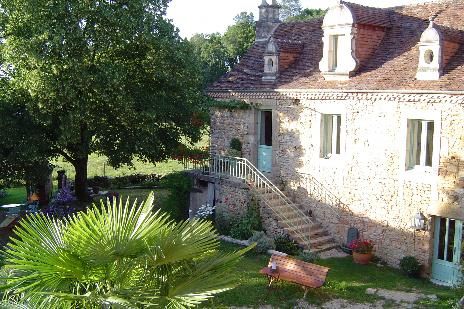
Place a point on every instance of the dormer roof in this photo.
(392, 66)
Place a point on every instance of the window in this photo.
(330, 135)
(419, 144)
(270, 65)
(334, 50)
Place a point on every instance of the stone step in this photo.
(318, 232)
(321, 240)
(299, 229)
(324, 247)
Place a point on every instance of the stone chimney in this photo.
(269, 19)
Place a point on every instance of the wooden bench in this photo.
(288, 269)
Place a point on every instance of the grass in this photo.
(15, 195)
(98, 166)
(141, 195)
(346, 280)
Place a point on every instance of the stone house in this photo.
(355, 120)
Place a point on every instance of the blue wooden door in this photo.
(446, 265)
(265, 141)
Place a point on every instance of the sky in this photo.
(208, 16)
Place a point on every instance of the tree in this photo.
(111, 77)
(212, 56)
(239, 37)
(24, 151)
(117, 255)
(307, 14)
(290, 8)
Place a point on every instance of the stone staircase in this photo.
(290, 216)
(297, 223)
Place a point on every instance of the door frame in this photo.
(258, 139)
(455, 266)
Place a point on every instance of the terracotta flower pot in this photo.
(362, 258)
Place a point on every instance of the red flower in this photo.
(362, 246)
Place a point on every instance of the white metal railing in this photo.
(322, 194)
(243, 169)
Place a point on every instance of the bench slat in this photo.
(296, 271)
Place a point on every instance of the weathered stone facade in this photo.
(233, 198)
(367, 185)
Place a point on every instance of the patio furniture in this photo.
(284, 268)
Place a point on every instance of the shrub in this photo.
(263, 242)
(223, 222)
(243, 227)
(99, 181)
(177, 202)
(308, 256)
(235, 144)
(410, 266)
(285, 244)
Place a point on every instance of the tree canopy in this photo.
(111, 77)
(219, 53)
(290, 8)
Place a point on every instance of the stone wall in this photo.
(233, 198)
(367, 185)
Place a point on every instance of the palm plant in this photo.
(116, 256)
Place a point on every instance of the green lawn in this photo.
(14, 196)
(141, 194)
(98, 166)
(345, 280)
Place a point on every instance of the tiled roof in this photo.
(393, 65)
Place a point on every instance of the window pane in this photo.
(326, 135)
(339, 125)
(267, 128)
(441, 239)
(451, 232)
(335, 52)
(429, 150)
(418, 139)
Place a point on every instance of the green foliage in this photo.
(223, 222)
(290, 8)
(212, 55)
(106, 77)
(263, 242)
(177, 201)
(307, 14)
(24, 149)
(243, 227)
(239, 37)
(217, 53)
(235, 144)
(308, 256)
(284, 244)
(410, 266)
(230, 104)
(117, 255)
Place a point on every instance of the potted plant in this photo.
(362, 250)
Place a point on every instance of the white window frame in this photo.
(334, 50)
(335, 138)
(423, 144)
(332, 108)
(422, 174)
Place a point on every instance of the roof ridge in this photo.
(425, 2)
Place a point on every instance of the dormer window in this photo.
(338, 61)
(270, 65)
(334, 52)
(430, 65)
(271, 62)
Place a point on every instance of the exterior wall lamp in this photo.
(419, 222)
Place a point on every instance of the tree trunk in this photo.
(80, 181)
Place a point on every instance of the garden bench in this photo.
(307, 275)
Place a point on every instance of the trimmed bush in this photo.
(243, 227)
(410, 266)
(285, 244)
(263, 242)
(235, 144)
(308, 256)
